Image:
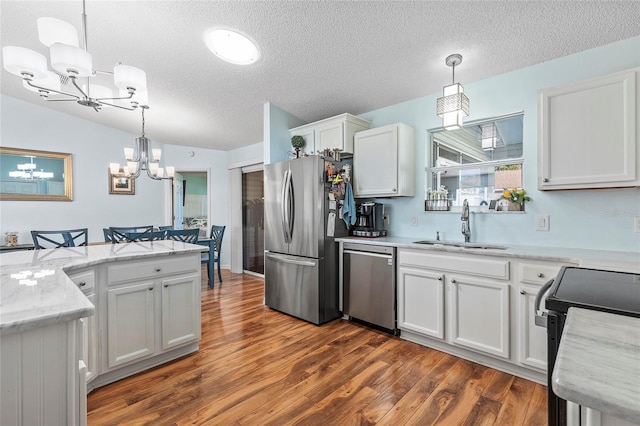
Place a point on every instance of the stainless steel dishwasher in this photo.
(369, 284)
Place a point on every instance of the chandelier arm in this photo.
(29, 82)
(117, 106)
(117, 99)
(73, 80)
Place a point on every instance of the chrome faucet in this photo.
(466, 228)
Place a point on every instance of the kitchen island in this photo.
(73, 319)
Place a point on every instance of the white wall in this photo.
(93, 146)
(596, 219)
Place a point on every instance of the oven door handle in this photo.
(541, 317)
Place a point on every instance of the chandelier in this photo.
(28, 171)
(138, 159)
(70, 63)
(454, 104)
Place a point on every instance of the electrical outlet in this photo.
(385, 219)
(636, 224)
(414, 221)
(542, 222)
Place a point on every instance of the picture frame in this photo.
(120, 184)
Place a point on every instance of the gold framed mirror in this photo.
(29, 175)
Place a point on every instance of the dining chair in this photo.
(128, 234)
(62, 238)
(213, 256)
(184, 235)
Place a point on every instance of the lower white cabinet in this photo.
(42, 376)
(532, 348)
(578, 415)
(150, 313)
(130, 323)
(480, 315)
(421, 301)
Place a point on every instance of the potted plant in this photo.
(516, 198)
(297, 142)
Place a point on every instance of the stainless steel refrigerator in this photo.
(301, 222)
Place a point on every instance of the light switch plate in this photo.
(542, 222)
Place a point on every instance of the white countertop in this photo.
(598, 363)
(35, 290)
(623, 261)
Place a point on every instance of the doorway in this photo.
(191, 201)
(253, 221)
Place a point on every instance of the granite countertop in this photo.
(598, 363)
(623, 261)
(35, 290)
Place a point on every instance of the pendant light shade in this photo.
(126, 76)
(18, 61)
(71, 60)
(52, 30)
(453, 106)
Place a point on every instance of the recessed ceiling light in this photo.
(231, 46)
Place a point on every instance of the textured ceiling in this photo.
(319, 58)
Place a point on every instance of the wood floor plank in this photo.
(257, 366)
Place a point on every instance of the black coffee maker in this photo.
(369, 220)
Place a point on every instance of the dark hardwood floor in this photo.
(257, 366)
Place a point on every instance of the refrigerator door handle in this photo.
(286, 206)
(291, 205)
(290, 260)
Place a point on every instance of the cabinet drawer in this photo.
(150, 269)
(85, 280)
(537, 274)
(471, 265)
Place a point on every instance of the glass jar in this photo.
(11, 238)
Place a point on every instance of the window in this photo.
(477, 161)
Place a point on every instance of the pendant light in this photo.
(454, 104)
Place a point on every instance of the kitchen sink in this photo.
(480, 246)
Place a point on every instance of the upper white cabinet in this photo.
(384, 162)
(331, 133)
(588, 135)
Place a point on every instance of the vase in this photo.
(515, 207)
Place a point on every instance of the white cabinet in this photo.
(421, 301)
(588, 133)
(130, 323)
(532, 339)
(384, 162)
(480, 315)
(41, 376)
(86, 281)
(331, 133)
(463, 300)
(584, 416)
(153, 307)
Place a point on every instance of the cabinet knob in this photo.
(453, 281)
(540, 275)
(166, 285)
(393, 190)
(545, 180)
(82, 283)
(158, 269)
(523, 292)
(440, 278)
(150, 289)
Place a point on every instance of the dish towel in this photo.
(349, 207)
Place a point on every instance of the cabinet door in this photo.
(90, 341)
(533, 339)
(330, 136)
(180, 310)
(587, 134)
(480, 315)
(375, 162)
(309, 139)
(421, 301)
(130, 323)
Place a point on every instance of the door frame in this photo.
(170, 213)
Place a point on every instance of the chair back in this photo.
(184, 235)
(61, 238)
(217, 233)
(128, 234)
(165, 228)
